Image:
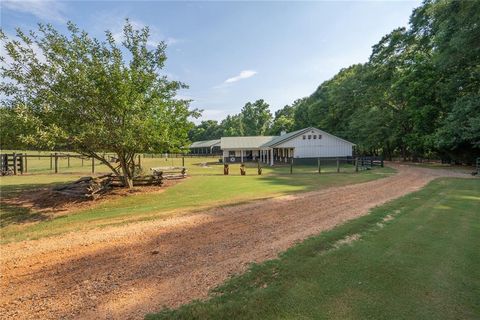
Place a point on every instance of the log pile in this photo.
(94, 187)
(87, 187)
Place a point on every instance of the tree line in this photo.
(417, 96)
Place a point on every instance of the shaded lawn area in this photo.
(417, 257)
(433, 165)
(206, 188)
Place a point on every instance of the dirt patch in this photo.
(124, 272)
(48, 204)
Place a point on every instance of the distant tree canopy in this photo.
(78, 93)
(417, 96)
(254, 119)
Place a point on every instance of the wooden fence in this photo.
(12, 163)
(16, 163)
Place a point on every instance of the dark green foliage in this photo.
(256, 118)
(206, 130)
(285, 118)
(419, 94)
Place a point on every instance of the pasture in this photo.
(205, 188)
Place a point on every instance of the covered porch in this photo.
(268, 156)
(276, 155)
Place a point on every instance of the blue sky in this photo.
(230, 53)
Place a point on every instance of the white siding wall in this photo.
(327, 146)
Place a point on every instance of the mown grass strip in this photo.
(199, 192)
(422, 264)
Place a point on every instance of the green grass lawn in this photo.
(436, 165)
(422, 264)
(207, 187)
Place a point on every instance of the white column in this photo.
(241, 155)
(271, 157)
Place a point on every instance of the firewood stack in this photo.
(87, 187)
(94, 187)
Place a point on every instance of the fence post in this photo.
(338, 165)
(93, 165)
(183, 161)
(381, 162)
(14, 163)
(51, 161)
(139, 162)
(82, 161)
(356, 164)
(25, 163)
(371, 162)
(319, 167)
(68, 160)
(56, 162)
(21, 163)
(291, 165)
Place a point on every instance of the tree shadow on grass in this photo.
(25, 203)
(11, 214)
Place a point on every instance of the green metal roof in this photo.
(284, 137)
(253, 142)
(204, 144)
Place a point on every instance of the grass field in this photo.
(207, 187)
(417, 257)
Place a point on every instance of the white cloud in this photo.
(245, 74)
(45, 10)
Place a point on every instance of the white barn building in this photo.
(302, 144)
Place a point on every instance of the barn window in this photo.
(303, 137)
(314, 136)
(309, 136)
(319, 136)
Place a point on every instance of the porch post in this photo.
(241, 155)
(271, 158)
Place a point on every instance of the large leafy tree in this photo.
(453, 29)
(92, 96)
(419, 93)
(206, 130)
(232, 126)
(256, 118)
(284, 119)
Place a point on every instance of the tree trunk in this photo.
(127, 175)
